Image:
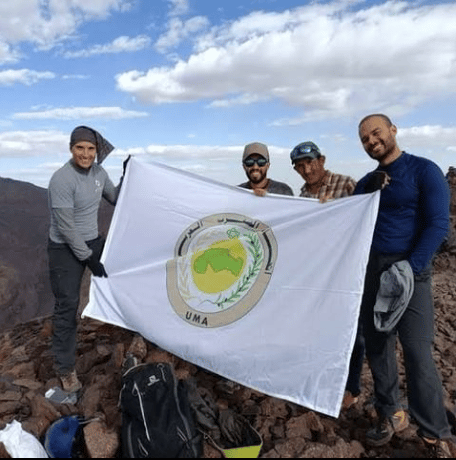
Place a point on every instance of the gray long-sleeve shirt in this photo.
(74, 199)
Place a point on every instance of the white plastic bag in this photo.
(20, 444)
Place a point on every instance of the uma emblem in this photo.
(221, 268)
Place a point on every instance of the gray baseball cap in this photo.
(256, 147)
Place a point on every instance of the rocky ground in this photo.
(26, 373)
(288, 430)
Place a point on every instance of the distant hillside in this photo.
(25, 291)
(24, 283)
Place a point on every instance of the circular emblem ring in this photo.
(221, 268)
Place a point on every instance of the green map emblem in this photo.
(221, 268)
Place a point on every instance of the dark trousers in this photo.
(356, 363)
(416, 334)
(66, 272)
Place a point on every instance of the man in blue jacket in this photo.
(412, 222)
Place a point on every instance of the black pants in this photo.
(66, 272)
(356, 363)
(416, 334)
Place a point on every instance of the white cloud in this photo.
(428, 136)
(75, 77)
(7, 54)
(80, 113)
(46, 23)
(121, 44)
(178, 7)
(23, 76)
(328, 60)
(178, 31)
(32, 143)
(435, 142)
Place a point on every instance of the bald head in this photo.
(386, 119)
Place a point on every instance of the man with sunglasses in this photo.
(256, 164)
(320, 183)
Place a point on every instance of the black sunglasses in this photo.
(259, 161)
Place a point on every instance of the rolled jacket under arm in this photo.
(396, 290)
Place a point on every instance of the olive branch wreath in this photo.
(244, 284)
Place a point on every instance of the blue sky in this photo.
(189, 83)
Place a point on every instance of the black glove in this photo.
(377, 181)
(125, 165)
(96, 266)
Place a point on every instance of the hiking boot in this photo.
(386, 427)
(438, 448)
(349, 400)
(381, 434)
(70, 382)
(400, 421)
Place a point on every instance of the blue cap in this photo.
(305, 150)
(60, 437)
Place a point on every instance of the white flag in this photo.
(264, 291)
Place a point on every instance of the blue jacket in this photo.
(413, 217)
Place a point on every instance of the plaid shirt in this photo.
(334, 186)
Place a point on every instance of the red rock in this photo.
(37, 426)
(90, 401)
(47, 330)
(42, 407)
(119, 355)
(100, 442)
(314, 422)
(316, 450)
(104, 351)
(22, 370)
(264, 427)
(160, 356)
(290, 448)
(30, 384)
(138, 347)
(186, 368)
(274, 407)
(6, 347)
(298, 428)
(11, 396)
(182, 374)
(3, 452)
(271, 454)
(8, 408)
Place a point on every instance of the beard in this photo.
(384, 149)
(256, 177)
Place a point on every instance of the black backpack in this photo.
(157, 421)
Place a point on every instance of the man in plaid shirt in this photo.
(325, 185)
(319, 182)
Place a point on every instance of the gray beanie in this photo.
(86, 134)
